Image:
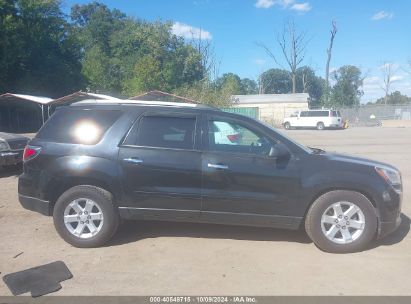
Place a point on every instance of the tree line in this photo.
(46, 52)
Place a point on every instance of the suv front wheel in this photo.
(341, 221)
(85, 216)
(287, 126)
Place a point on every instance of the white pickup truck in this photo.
(319, 119)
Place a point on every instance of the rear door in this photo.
(161, 165)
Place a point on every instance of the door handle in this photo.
(216, 166)
(133, 160)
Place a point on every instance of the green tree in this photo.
(132, 56)
(395, 98)
(39, 53)
(308, 82)
(347, 89)
(204, 91)
(276, 81)
(248, 86)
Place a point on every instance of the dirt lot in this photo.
(192, 259)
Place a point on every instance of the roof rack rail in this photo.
(143, 102)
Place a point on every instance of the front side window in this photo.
(165, 132)
(225, 136)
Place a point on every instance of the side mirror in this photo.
(278, 151)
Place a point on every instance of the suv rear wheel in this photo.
(85, 216)
(341, 221)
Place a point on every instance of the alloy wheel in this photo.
(343, 222)
(83, 218)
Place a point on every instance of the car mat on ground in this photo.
(38, 280)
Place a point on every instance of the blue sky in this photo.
(370, 32)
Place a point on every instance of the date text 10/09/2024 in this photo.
(205, 299)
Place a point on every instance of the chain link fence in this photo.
(371, 115)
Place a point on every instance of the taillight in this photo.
(233, 138)
(30, 152)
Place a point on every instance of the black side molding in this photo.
(35, 204)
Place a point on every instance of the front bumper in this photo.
(35, 204)
(11, 158)
(388, 227)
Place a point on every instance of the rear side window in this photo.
(318, 114)
(164, 132)
(74, 126)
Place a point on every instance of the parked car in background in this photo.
(92, 165)
(11, 148)
(319, 119)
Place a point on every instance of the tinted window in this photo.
(318, 114)
(78, 126)
(232, 137)
(304, 114)
(166, 132)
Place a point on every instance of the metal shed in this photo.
(22, 113)
(271, 108)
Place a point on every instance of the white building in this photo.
(272, 108)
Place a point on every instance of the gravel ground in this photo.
(149, 258)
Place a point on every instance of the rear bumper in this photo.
(11, 158)
(35, 204)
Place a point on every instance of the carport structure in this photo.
(22, 113)
(26, 114)
(77, 97)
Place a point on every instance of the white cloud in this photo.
(190, 32)
(259, 61)
(264, 3)
(372, 85)
(372, 80)
(382, 15)
(301, 7)
(285, 4)
(397, 78)
(389, 65)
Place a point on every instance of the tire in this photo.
(320, 126)
(103, 210)
(316, 222)
(287, 126)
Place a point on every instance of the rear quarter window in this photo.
(78, 126)
(318, 114)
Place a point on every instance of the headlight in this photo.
(4, 146)
(393, 177)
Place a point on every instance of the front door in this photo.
(241, 182)
(161, 166)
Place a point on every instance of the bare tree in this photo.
(305, 83)
(206, 51)
(293, 46)
(329, 53)
(387, 70)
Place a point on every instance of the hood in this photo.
(357, 160)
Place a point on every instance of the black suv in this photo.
(92, 165)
